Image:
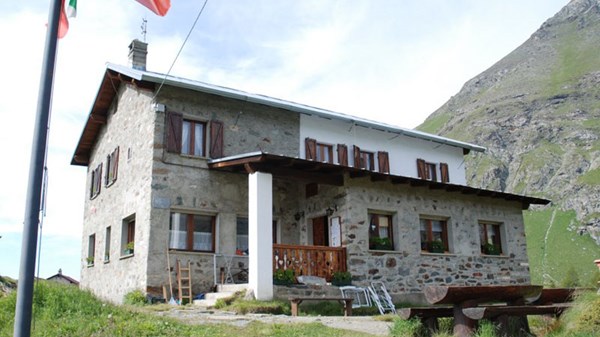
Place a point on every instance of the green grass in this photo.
(434, 123)
(577, 54)
(590, 177)
(61, 310)
(563, 250)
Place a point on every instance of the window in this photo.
(96, 182)
(112, 164)
(428, 171)
(367, 160)
(193, 138)
(431, 174)
(189, 137)
(91, 249)
(192, 232)
(490, 239)
(380, 232)
(242, 236)
(324, 153)
(107, 245)
(128, 235)
(434, 235)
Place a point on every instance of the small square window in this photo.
(490, 238)
(434, 235)
(380, 232)
(128, 236)
(91, 250)
(324, 153)
(367, 160)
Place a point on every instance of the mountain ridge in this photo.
(537, 112)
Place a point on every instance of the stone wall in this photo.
(406, 269)
(130, 126)
(184, 184)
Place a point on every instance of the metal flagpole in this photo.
(23, 308)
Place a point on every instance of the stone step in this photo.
(223, 291)
(232, 287)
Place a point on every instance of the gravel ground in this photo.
(364, 324)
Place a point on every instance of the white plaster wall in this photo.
(403, 150)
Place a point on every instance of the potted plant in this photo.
(378, 243)
(490, 249)
(129, 248)
(284, 277)
(341, 278)
(436, 246)
(90, 260)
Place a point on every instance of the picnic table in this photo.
(471, 303)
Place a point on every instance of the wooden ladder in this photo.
(184, 282)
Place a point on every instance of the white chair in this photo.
(381, 297)
(360, 296)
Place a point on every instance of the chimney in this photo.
(137, 54)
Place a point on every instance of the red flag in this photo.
(63, 24)
(159, 7)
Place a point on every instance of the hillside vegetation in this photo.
(537, 111)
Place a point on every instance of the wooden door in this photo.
(320, 231)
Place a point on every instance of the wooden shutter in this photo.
(383, 161)
(216, 139)
(107, 174)
(421, 169)
(173, 132)
(445, 235)
(342, 154)
(357, 157)
(311, 148)
(116, 165)
(444, 172)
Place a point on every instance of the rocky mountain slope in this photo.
(537, 111)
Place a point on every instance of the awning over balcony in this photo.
(333, 174)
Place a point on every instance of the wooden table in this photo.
(462, 297)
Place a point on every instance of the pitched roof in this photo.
(115, 74)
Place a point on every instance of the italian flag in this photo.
(159, 7)
(72, 9)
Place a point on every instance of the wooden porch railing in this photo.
(318, 261)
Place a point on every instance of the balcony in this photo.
(318, 261)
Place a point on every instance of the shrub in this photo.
(407, 328)
(571, 279)
(135, 297)
(486, 329)
(284, 277)
(341, 278)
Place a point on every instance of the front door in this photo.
(320, 231)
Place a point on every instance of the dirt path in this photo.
(364, 324)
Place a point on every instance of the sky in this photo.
(393, 61)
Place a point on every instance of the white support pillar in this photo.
(260, 234)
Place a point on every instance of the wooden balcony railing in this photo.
(318, 261)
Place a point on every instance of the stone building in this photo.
(241, 185)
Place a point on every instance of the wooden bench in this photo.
(345, 301)
(494, 311)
